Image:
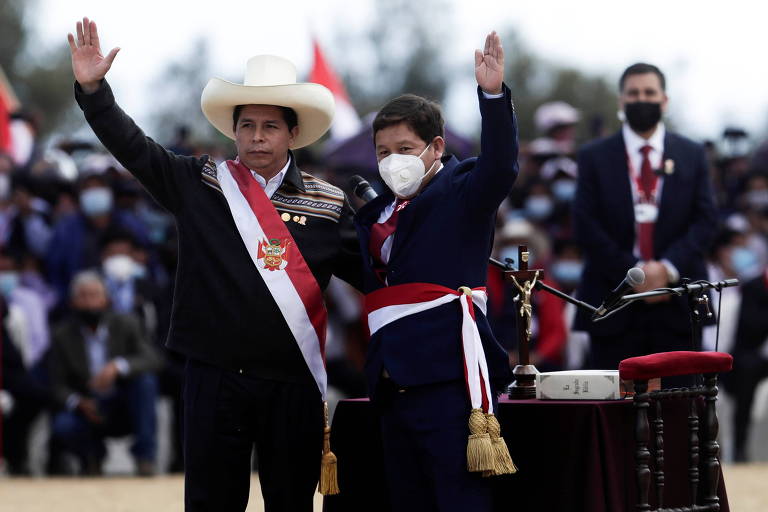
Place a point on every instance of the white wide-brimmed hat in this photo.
(270, 80)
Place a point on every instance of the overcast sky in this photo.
(712, 52)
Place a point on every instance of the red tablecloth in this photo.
(571, 455)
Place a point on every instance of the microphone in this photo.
(361, 188)
(635, 277)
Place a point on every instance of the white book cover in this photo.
(579, 385)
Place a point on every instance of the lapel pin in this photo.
(667, 168)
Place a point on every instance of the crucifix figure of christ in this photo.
(524, 279)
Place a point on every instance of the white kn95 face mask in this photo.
(403, 174)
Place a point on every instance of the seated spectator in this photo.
(123, 264)
(77, 239)
(22, 398)
(101, 368)
(28, 312)
(29, 229)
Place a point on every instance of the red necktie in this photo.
(647, 185)
(380, 231)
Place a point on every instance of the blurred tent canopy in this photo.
(356, 154)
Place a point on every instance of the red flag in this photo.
(346, 122)
(8, 103)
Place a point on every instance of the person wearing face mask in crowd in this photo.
(750, 357)
(102, 374)
(77, 239)
(539, 206)
(429, 237)
(643, 199)
(25, 326)
(548, 327)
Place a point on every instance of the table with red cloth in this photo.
(571, 456)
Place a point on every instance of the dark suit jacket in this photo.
(444, 236)
(69, 363)
(604, 223)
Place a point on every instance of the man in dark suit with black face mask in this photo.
(643, 199)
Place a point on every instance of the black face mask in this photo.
(642, 115)
(90, 317)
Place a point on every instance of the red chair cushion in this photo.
(669, 364)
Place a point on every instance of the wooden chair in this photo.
(668, 364)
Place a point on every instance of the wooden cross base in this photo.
(524, 387)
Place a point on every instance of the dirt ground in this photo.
(746, 486)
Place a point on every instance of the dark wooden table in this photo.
(571, 455)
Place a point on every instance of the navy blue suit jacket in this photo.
(444, 236)
(604, 223)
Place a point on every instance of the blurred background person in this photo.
(102, 373)
(643, 199)
(23, 397)
(78, 238)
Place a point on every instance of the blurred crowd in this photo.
(85, 252)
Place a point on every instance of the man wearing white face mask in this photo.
(77, 240)
(426, 244)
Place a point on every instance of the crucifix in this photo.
(524, 279)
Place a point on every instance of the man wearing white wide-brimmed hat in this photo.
(258, 242)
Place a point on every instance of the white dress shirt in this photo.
(271, 186)
(633, 144)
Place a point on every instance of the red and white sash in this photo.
(280, 263)
(391, 303)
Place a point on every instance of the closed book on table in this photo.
(587, 385)
(579, 385)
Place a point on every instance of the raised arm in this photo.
(496, 168)
(161, 172)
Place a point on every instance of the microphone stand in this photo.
(526, 280)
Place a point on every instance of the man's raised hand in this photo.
(489, 65)
(88, 64)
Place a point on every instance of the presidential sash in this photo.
(486, 450)
(289, 280)
(279, 263)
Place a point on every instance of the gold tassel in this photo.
(479, 447)
(329, 480)
(502, 460)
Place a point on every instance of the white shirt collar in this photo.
(633, 142)
(275, 181)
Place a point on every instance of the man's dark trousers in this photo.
(424, 433)
(225, 414)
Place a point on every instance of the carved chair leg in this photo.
(642, 454)
(658, 474)
(693, 450)
(711, 468)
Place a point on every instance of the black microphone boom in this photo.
(635, 277)
(361, 188)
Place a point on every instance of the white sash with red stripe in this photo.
(280, 263)
(391, 303)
